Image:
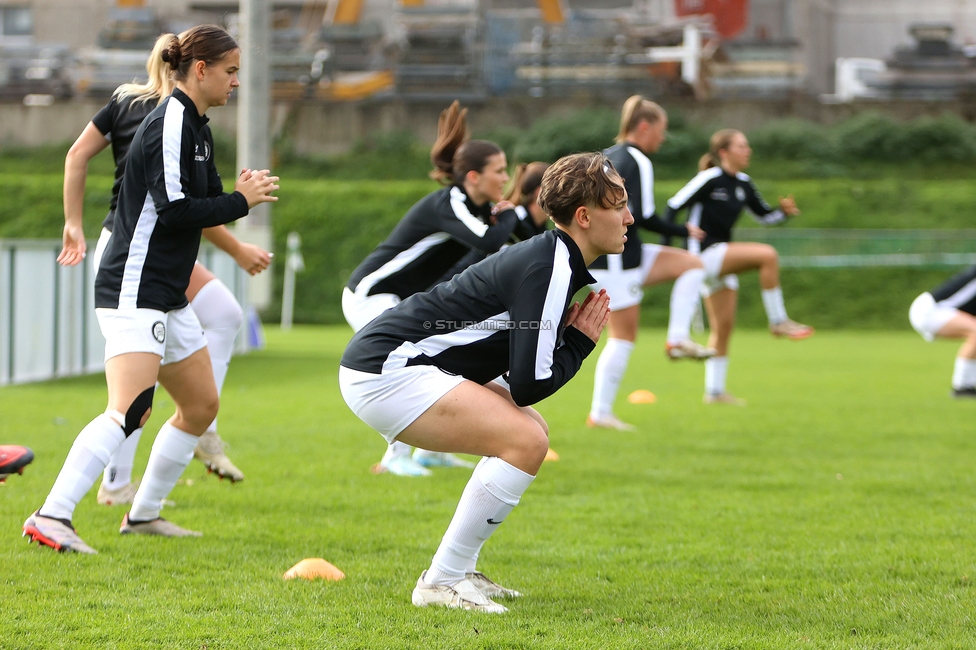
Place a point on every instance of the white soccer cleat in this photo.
(58, 534)
(158, 526)
(400, 466)
(609, 422)
(118, 496)
(688, 349)
(210, 451)
(489, 587)
(439, 459)
(463, 595)
(791, 330)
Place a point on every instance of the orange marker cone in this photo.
(642, 396)
(314, 567)
(551, 456)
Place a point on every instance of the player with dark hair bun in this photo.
(170, 192)
(431, 243)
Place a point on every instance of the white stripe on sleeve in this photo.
(553, 311)
(172, 145)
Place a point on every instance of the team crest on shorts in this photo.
(159, 331)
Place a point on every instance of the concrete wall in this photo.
(326, 129)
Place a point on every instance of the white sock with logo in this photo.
(716, 369)
(685, 297)
(171, 453)
(221, 318)
(118, 472)
(610, 369)
(773, 303)
(87, 458)
(964, 373)
(494, 489)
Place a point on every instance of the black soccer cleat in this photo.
(966, 392)
(13, 460)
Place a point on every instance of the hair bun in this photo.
(172, 54)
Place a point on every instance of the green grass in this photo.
(835, 511)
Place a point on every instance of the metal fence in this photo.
(47, 315)
(840, 248)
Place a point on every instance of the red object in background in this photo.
(729, 15)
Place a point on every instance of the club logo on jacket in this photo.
(206, 152)
(159, 331)
(740, 193)
(719, 194)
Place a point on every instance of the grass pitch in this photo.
(835, 511)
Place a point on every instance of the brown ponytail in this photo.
(719, 141)
(453, 155)
(636, 110)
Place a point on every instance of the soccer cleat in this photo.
(13, 460)
(966, 392)
(157, 526)
(439, 459)
(723, 398)
(400, 466)
(463, 595)
(55, 533)
(119, 496)
(791, 330)
(608, 422)
(489, 587)
(210, 451)
(688, 349)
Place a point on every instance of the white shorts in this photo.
(100, 247)
(927, 317)
(361, 310)
(391, 401)
(712, 259)
(625, 286)
(173, 335)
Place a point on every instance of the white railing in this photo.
(47, 315)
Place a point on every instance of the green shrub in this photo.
(933, 140)
(554, 137)
(869, 136)
(792, 139)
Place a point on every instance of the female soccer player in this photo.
(214, 304)
(714, 199)
(949, 311)
(428, 243)
(170, 191)
(422, 373)
(643, 128)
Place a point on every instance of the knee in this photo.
(217, 308)
(535, 443)
(203, 411)
(769, 255)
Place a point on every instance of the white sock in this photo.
(716, 368)
(171, 453)
(395, 449)
(221, 317)
(964, 373)
(118, 472)
(87, 458)
(773, 302)
(494, 489)
(610, 369)
(685, 297)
